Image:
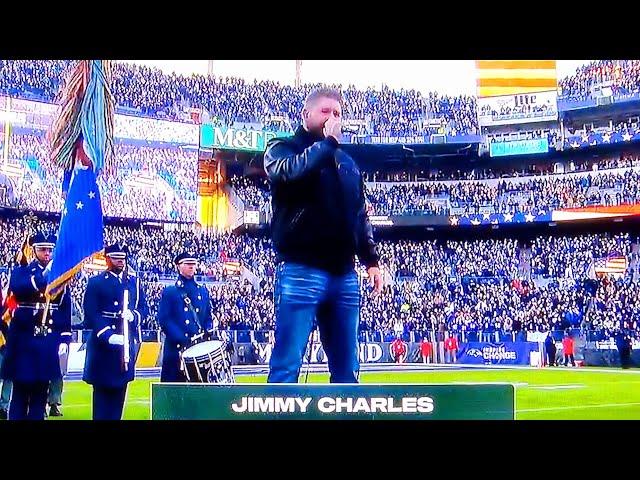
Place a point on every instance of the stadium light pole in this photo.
(6, 117)
(298, 73)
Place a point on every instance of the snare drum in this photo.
(207, 362)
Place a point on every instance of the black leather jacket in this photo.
(318, 201)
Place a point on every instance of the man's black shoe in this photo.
(54, 411)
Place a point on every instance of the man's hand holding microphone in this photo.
(333, 128)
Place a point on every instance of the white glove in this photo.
(63, 349)
(116, 339)
(128, 315)
(197, 336)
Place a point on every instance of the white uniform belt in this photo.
(37, 306)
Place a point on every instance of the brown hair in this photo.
(323, 92)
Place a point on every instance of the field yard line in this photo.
(128, 402)
(575, 407)
(595, 369)
(559, 387)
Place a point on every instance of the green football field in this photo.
(541, 394)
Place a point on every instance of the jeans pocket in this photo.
(301, 284)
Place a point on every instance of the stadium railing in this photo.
(379, 336)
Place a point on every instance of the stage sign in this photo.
(179, 401)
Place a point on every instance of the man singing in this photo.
(319, 225)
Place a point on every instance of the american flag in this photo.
(614, 264)
(232, 267)
(512, 77)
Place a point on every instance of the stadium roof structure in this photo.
(373, 156)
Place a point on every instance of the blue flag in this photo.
(80, 235)
(82, 144)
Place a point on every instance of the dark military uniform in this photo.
(104, 366)
(54, 399)
(624, 346)
(184, 312)
(5, 391)
(34, 337)
(550, 350)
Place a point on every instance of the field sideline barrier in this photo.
(480, 353)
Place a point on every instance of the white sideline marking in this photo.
(557, 387)
(128, 402)
(515, 384)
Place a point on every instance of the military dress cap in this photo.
(185, 257)
(117, 251)
(40, 240)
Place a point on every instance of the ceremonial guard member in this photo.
(5, 390)
(184, 313)
(624, 345)
(112, 300)
(38, 334)
(550, 349)
(54, 398)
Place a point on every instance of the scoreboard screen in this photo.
(519, 147)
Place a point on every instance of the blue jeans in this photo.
(304, 295)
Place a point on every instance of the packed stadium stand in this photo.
(150, 92)
(480, 288)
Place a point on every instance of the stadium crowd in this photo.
(623, 75)
(135, 190)
(623, 160)
(486, 311)
(480, 288)
(150, 92)
(615, 305)
(254, 192)
(510, 194)
(558, 257)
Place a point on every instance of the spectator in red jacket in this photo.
(398, 350)
(567, 350)
(426, 350)
(451, 349)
